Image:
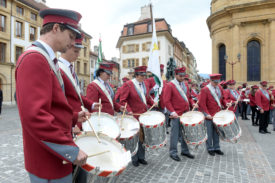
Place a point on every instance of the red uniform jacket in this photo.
(173, 100)
(73, 98)
(130, 96)
(261, 101)
(207, 103)
(194, 95)
(117, 95)
(46, 118)
(228, 97)
(272, 101)
(94, 92)
(252, 99)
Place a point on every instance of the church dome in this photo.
(218, 5)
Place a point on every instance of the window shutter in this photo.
(143, 46)
(159, 45)
(123, 49)
(124, 63)
(137, 62)
(137, 47)
(143, 61)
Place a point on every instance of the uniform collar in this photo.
(49, 49)
(64, 61)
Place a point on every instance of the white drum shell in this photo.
(154, 129)
(227, 125)
(129, 137)
(194, 130)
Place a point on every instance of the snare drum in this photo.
(193, 127)
(129, 137)
(104, 167)
(227, 126)
(106, 124)
(152, 123)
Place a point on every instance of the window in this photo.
(78, 67)
(2, 52)
(85, 51)
(130, 30)
(2, 23)
(18, 29)
(130, 63)
(85, 68)
(169, 50)
(145, 61)
(131, 48)
(33, 16)
(222, 63)
(18, 52)
(32, 33)
(149, 27)
(253, 61)
(3, 3)
(92, 63)
(19, 10)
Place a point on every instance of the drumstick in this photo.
(195, 105)
(96, 154)
(152, 107)
(99, 111)
(123, 115)
(237, 102)
(92, 155)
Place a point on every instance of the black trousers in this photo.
(255, 112)
(244, 109)
(0, 107)
(264, 120)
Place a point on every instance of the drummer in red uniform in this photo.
(71, 84)
(101, 89)
(136, 95)
(253, 105)
(45, 114)
(232, 96)
(178, 100)
(210, 103)
(117, 95)
(263, 104)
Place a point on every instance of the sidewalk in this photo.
(250, 160)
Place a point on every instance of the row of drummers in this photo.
(142, 128)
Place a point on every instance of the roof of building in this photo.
(35, 5)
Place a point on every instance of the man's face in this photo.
(232, 87)
(65, 39)
(105, 76)
(76, 52)
(214, 83)
(141, 78)
(180, 78)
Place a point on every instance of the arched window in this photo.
(222, 63)
(253, 61)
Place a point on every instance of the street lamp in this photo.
(232, 63)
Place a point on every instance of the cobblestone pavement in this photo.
(252, 159)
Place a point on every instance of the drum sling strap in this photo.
(214, 95)
(103, 88)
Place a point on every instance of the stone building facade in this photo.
(243, 33)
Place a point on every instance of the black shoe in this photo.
(219, 152)
(188, 155)
(257, 124)
(167, 132)
(246, 119)
(211, 153)
(273, 129)
(262, 132)
(267, 131)
(135, 163)
(175, 157)
(143, 161)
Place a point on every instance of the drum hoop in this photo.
(226, 124)
(129, 138)
(153, 126)
(124, 138)
(92, 169)
(193, 124)
(157, 146)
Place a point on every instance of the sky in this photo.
(187, 19)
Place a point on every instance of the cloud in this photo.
(107, 17)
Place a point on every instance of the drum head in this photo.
(106, 124)
(151, 118)
(192, 117)
(223, 117)
(116, 159)
(128, 127)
